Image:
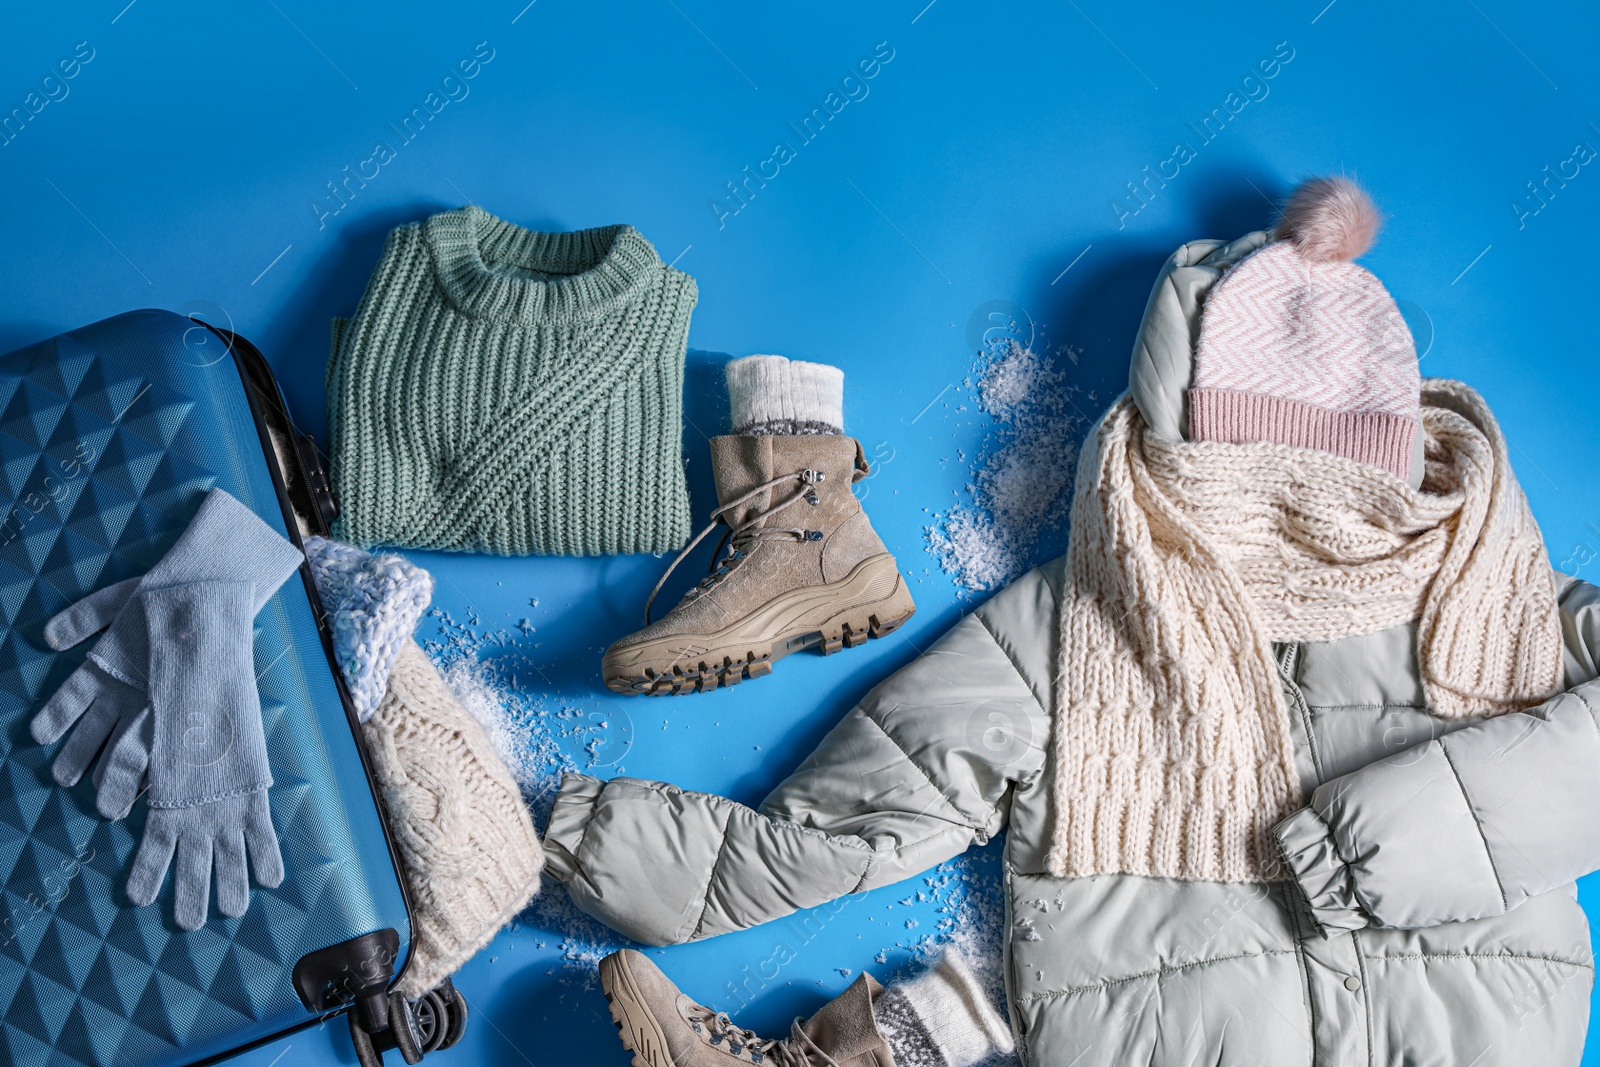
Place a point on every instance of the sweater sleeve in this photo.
(1468, 825)
(918, 771)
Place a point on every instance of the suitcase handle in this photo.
(316, 479)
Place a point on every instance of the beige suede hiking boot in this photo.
(664, 1028)
(803, 569)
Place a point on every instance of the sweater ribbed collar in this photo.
(493, 269)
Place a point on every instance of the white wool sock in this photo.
(774, 395)
(941, 1018)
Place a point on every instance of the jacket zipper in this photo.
(1288, 656)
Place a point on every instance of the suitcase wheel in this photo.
(403, 1028)
(401, 1033)
(366, 1054)
(441, 1016)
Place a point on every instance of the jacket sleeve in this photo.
(1470, 824)
(918, 771)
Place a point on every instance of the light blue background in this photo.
(182, 166)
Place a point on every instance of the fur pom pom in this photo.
(1330, 218)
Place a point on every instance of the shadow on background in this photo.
(15, 335)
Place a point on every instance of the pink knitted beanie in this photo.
(1301, 346)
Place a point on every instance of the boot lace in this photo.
(799, 1050)
(739, 539)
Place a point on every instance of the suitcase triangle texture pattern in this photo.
(109, 437)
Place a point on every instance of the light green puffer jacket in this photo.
(1434, 921)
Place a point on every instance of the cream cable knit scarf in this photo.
(1188, 560)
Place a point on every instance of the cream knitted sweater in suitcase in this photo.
(466, 841)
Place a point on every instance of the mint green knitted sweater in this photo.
(501, 390)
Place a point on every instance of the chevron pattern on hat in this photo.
(1310, 352)
(1323, 333)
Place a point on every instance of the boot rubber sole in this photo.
(871, 601)
(640, 1032)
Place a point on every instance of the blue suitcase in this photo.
(109, 437)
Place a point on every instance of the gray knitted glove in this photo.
(105, 698)
(208, 755)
